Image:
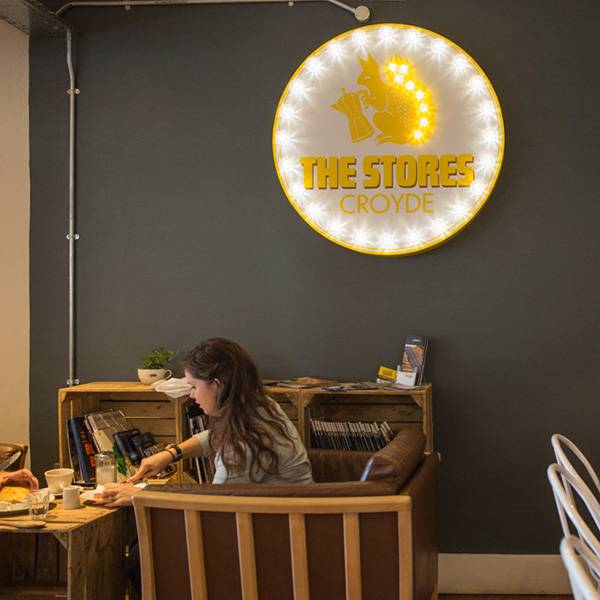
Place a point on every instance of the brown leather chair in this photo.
(8, 450)
(366, 529)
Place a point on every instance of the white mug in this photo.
(71, 497)
(57, 479)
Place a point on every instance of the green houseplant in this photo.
(152, 366)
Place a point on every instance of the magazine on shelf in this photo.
(103, 425)
(347, 435)
(414, 355)
(305, 382)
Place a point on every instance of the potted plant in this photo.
(152, 366)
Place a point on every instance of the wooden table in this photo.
(79, 555)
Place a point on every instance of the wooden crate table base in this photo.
(78, 555)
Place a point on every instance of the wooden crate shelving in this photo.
(164, 417)
(402, 409)
(144, 407)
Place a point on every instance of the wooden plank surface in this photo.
(372, 412)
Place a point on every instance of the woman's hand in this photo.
(152, 466)
(20, 478)
(118, 495)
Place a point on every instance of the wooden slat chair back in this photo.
(181, 539)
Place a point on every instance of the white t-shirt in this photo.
(294, 466)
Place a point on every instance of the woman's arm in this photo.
(20, 478)
(121, 495)
(151, 466)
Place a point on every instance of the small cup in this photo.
(38, 504)
(57, 479)
(71, 497)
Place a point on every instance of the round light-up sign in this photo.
(388, 139)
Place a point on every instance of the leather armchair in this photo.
(367, 528)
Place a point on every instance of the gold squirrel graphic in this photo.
(404, 109)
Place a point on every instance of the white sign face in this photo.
(388, 139)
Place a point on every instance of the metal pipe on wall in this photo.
(361, 13)
(72, 236)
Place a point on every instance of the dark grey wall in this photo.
(185, 234)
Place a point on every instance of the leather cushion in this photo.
(336, 465)
(395, 463)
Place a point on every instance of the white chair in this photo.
(581, 564)
(559, 444)
(563, 483)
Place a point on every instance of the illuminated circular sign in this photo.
(388, 139)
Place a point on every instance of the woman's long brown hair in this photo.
(239, 429)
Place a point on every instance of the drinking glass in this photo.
(38, 504)
(105, 468)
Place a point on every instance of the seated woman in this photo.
(250, 435)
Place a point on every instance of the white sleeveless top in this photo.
(294, 466)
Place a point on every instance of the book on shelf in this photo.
(198, 422)
(131, 457)
(347, 435)
(82, 450)
(414, 355)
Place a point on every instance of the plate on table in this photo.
(89, 494)
(15, 508)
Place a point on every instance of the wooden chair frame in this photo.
(296, 508)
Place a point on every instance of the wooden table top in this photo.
(58, 519)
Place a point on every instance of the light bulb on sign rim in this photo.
(486, 162)
(288, 112)
(360, 38)
(298, 191)
(315, 211)
(315, 66)
(360, 237)
(413, 38)
(438, 48)
(438, 226)
(299, 88)
(414, 236)
(287, 166)
(335, 51)
(459, 64)
(336, 227)
(387, 240)
(476, 84)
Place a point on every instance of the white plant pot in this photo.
(150, 376)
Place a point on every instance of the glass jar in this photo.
(106, 471)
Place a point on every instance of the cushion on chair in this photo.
(396, 462)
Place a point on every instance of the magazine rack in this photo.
(164, 417)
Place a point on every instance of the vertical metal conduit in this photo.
(72, 236)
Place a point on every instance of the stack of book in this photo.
(108, 431)
(198, 422)
(346, 435)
